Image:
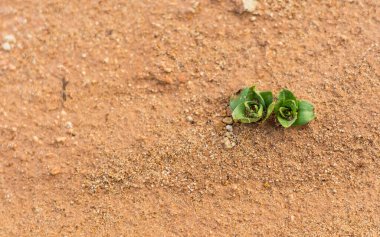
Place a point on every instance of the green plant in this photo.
(290, 112)
(251, 106)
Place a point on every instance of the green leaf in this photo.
(257, 113)
(286, 103)
(267, 97)
(292, 104)
(269, 111)
(244, 95)
(285, 112)
(250, 105)
(239, 115)
(256, 95)
(284, 122)
(277, 106)
(305, 113)
(286, 94)
(305, 105)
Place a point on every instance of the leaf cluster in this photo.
(251, 106)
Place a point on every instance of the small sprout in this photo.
(251, 106)
(291, 112)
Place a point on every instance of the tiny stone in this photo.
(229, 134)
(35, 138)
(106, 60)
(249, 5)
(228, 144)
(9, 38)
(86, 82)
(266, 185)
(6, 46)
(245, 5)
(60, 139)
(167, 70)
(69, 125)
(51, 156)
(190, 119)
(229, 128)
(54, 170)
(253, 18)
(227, 120)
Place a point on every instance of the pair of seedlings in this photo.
(252, 106)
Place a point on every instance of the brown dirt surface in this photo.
(111, 118)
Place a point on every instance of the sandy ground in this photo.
(111, 118)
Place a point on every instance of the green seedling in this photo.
(291, 112)
(251, 106)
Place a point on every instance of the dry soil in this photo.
(111, 118)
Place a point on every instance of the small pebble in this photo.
(227, 120)
(6, 46)
(51, 155)
(54, 170)
(35, 138)
(190, 119)
(9, 38)
(228, 144)
(249, 5)
(229, 128)
(229, 135)
(60, 139)
(69, 125)
(245, 5)
(167, 70)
